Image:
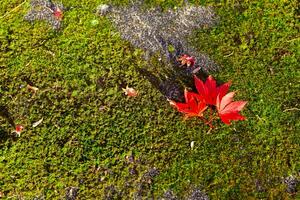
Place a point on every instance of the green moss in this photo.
(90, 127)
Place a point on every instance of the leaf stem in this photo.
(207, 122)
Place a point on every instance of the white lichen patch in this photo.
(154, 30)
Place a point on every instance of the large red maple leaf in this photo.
(228, 109)
(214, 96)
(209, 91)
(194, 106)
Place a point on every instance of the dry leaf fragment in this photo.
(187, 60)
(196, 70)
(192, 144)
(37, 123)
(58, 14)
(102, 108)
(32, 88)
(18, 130)
(1, 194)
(130, 91)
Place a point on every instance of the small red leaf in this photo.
(18, 129)
(187, 60)
(58, 13)
(130, 92)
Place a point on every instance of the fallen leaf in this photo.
(32, 88)
(18, 130)
(37, 123)
(130, 92)
(58, 13)
(194, 106)
(209, 90)
(228, 109)
(187, 60)
(192, 144)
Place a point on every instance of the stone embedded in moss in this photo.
(291, 183)
(169, 195)
(71, 193)
(103, 9)
(197, 194)
(155, 31)
(45, 10)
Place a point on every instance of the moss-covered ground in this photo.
(103, 143)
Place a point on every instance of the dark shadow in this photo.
(6, 115)
(169, 88)
(173, 77)
(4, 135)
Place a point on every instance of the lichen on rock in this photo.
(154, 30)
(45, 10)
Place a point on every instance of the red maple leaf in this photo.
(58, 13)
(187, 60)
(18, 129)
(193, 106)
(209, 91)
(130, 91)
(228, 109)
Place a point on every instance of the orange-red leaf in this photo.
(226, 118)
(223, 89)
(193, 106)
(58, 14)
(18, 129)
(228, 109)
(187, 60)
(211, 87)
(130, 92)
(209, 90)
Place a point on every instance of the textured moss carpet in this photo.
(96, 143)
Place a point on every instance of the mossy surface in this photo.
(96, 139)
